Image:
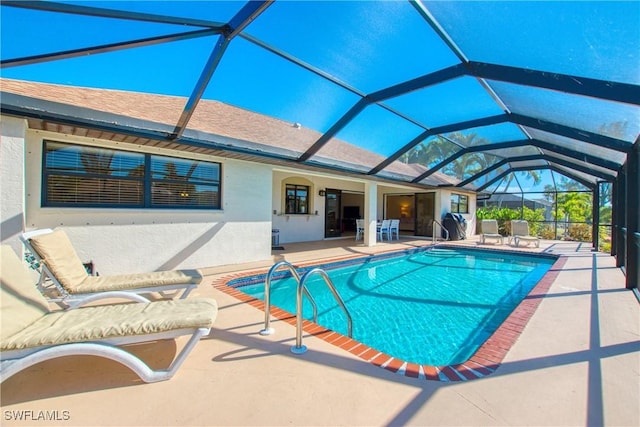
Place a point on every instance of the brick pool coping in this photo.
(484, 361)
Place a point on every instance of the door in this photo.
(425, 207)
(332, 208)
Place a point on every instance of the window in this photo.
(182, 182)
(459, 203)
(75, 175)
(297, 199)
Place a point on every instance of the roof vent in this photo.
(297, 125)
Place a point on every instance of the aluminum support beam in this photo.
(573, 133)
(244, 17)
(602, 89)
(105, 48)
(633, 218)
(595, 215)
(618, 218)
(109, 13)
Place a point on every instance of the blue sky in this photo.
(364, 44)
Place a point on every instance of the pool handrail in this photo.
(433, 231)
(268, 330)
(299, 348)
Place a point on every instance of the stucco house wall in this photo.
(443, 206)
(12, 136)
(136, 240)
(303, 228)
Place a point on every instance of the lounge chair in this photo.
(520, 233)
(31, 333)
(490, 230)
(64, 279)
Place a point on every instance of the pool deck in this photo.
(576, 362)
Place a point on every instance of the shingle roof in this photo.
(211, 117)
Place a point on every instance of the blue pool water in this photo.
(432, 307)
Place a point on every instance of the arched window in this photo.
(297, 194)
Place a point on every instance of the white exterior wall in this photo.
(12, 152)
(471, 216)
(304, 228)
(138, 240)
(443, 206)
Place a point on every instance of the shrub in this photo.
(548, 233)
(580, 232)
(505, 215)
(535, 218)
(502, 215)
(605, 239)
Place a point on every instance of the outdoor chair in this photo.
(490, 230)
(30, 332)
(359, 228)
(384, 228)
(520, 232)
(394, 228)
(64, 279)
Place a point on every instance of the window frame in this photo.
(459, 203)
(296, 198)
(147, 181)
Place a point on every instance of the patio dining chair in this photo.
(490, 230)
(359, 228)
(30, 332)
(394, 228)
(384, 228)
(65, 281)
(520, 233)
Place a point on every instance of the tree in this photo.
(435, 150)
(429, 151)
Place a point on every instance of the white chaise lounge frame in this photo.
(520, 233)
(23, 307)
(14, 361)
(51, 287)
(490, 230)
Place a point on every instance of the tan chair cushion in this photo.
(97, 323)
(138, 280)
(489, 226)
(21, 304)
(58, 253)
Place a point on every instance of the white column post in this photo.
(370, 213)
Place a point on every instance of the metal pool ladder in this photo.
(300, 289)
(433, 231)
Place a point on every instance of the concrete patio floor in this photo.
(577, 363)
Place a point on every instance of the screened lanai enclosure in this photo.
(535, 106)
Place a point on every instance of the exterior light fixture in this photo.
(322, 193)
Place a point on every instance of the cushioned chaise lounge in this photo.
(64, 279)
(490, 230)
(31, 333)
(520, 233)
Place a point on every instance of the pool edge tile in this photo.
(486, 360)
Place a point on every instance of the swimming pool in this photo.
(431, 307)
